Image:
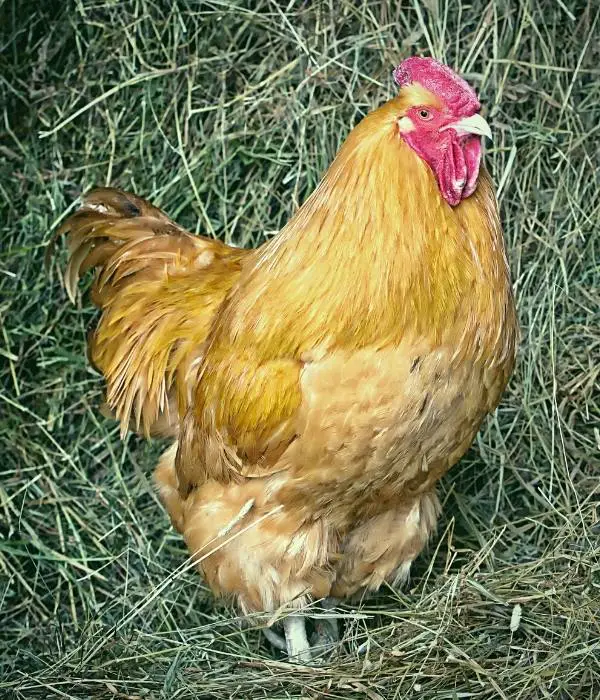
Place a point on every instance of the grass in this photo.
(226, 114)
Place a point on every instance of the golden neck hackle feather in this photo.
(366, 261)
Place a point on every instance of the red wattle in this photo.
(457, 168)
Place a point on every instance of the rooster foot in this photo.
(326, 635)
(295, 642)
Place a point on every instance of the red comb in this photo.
(442, 81)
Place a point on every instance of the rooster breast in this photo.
(351, 502)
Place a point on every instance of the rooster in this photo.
(314, 389)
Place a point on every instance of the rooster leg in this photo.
(326, 634)
(296, 640)
(275, 639)
(330, 603)
(323, 639)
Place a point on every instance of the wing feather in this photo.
(158, 288)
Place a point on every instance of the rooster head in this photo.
(441, 123)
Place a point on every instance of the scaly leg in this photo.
(275, 639)
(296, 640)
(326, 634)
(324, 639)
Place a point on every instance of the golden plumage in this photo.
(317, 387)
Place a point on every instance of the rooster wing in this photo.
(158, 287)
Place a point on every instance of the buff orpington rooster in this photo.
(317, 388)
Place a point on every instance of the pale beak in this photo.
(472, 125)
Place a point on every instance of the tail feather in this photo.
(158, 288)
(108, 220)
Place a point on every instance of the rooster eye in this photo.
(425, 114)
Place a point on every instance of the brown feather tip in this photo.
(85, 229)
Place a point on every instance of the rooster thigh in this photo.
(382, 548)
(249, 547)
(246, 544)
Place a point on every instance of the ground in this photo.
(226, 116)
